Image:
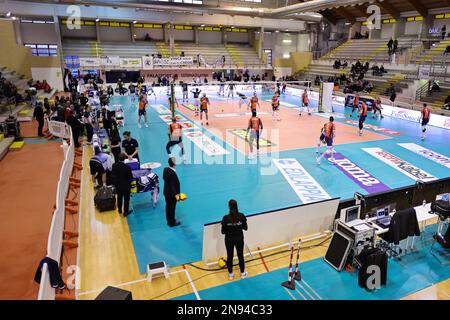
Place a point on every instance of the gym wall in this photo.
(413, 27)
(38, 33)
(155, 34)
(210, 37)
(86, 32)
(387, 30)
(438, 23)
(118, 34)
(19, 58)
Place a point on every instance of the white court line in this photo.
(293, 298)
(304, 298)
(192, 284)
(122, 284)
(312, 289)
(306, 291)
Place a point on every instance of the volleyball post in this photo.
(172, 99)
(325, 97)
(293, 273)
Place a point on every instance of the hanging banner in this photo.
(110, 62)
(424, 73)
(59, 129)
(173, 61)
(89, 62)
(72, 62)
(131, 63)
(147, 63)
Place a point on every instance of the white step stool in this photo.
(157, 268)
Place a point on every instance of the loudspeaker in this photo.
(112, 293)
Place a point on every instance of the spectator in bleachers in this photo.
(447, 50)
(443, 31)
(337, 64)
(392, 93)
(345, 64)
(366, 67)
(435, 87)
(390, 44)
(317, 81)
(395, 46)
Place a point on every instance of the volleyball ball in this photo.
(183, 197)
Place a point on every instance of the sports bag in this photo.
(105, 199)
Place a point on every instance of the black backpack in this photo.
(105, 199)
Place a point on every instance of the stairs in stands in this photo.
(96, 49)
(381, 89)
(330, 54)
(437, 97)
(176, 49)
(163, 49)
(374, 53)
(437, 50)
(234, 54)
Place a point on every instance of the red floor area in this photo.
(292, 132)
(28, 180)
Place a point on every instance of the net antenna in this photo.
(172, 98)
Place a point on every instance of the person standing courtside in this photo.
(38, 114)
(122, 176)
(233, 225)
(171, 192)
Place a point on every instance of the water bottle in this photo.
(424, 203)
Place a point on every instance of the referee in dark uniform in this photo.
(122, 177)
(171, 192)
(233, 225)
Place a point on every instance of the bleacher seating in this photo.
(373, 50)
(434, 54)
(121, 49)
(246, 57)
(326, 70)
(21, 82)
(438, 97)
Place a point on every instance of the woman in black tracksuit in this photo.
(233, 225)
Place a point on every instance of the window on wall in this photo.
(187, 1)
(43, 50)
(182, 1)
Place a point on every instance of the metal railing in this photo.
(422, 91)
(317, 54)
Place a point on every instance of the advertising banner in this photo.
(89, 62)
(110, 62)
(135, 63)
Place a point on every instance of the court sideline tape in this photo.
(191, 283)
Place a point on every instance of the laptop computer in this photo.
(383, 218)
